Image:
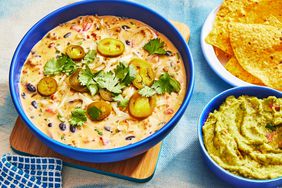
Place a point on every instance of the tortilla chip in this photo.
(237, 70)
(243, 11)
(219, 37)
(258, 49)
(272, 20)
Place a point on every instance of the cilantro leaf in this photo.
(86, 79)
(126, 74)
(94, 112)
(155, 46)
(93, 88)
(85, 76)
(99, 132)
(166, 84)
(147, 91)
(52, 67)
(68, 65)
(121, 71)
(90, 56)
(62, 64)
(122, 102)
(130, 76)
(107, 80)
(271, 127)
(78, 117)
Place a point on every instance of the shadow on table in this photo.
(189, 166)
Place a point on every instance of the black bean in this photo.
(127, 42)
(67, 35)
(62, 126)
(125, 27)
(129, 137)
(30, 87)
(34, 104)
(72, 128)
(168, 53)
(50, 124)
(107, 128)
(23, 95)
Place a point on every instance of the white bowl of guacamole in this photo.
(240, 133)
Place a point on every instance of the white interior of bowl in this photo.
(211, 57)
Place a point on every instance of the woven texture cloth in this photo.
(20, 171)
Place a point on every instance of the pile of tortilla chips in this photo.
(250, 32)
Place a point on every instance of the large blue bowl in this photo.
(238, 181)
(100, 7)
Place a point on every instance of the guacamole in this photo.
(244, 136)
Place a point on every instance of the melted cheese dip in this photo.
(119, 128)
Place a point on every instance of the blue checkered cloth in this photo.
(22, 171)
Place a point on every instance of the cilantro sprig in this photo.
(61, 64)
(90, 56)
(94, 112)
(112, 81)
(122, 101)
(272, 127)
(86, 79)
(155, 46)
(126, 74)
(107, 80)
(165, 84)
(78, 117)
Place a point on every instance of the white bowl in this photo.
(211, 57)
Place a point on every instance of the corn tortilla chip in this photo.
(242, 11)
(237, 70)
(258, 49)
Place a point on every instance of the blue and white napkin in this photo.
(23, 171)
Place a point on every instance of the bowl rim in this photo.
(201, 122)
(166, 127)
(211, 57)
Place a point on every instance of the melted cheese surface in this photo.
(115, 130)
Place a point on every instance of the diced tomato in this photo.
(104, 140)
(53, 97)
(169, 111)
(76, 28)
(277, 108)
(269, 136)
(49, 110)
(86, 26)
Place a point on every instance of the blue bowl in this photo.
(100, 7)
(238, 181)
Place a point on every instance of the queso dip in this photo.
(102, 82)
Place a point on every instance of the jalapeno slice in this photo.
(110, 47)
(141, 107)
(106, 95)
(98, 110)
(145, 75)
(74, 82)
(75, 52)
(47, 86)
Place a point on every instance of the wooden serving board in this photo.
(139, 169)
